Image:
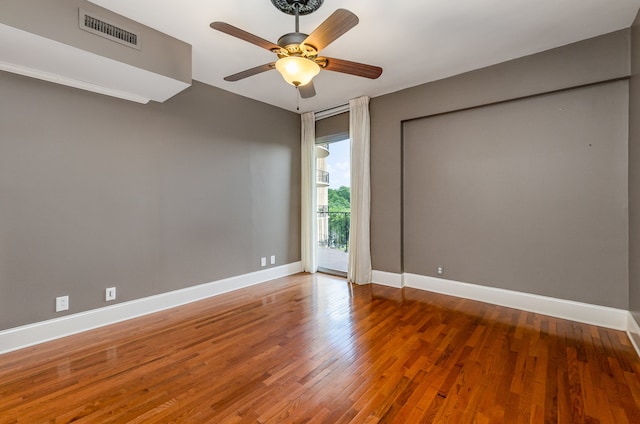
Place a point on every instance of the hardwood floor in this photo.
(314, 349)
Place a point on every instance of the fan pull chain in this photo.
(297, 98)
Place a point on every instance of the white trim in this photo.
(385, 278)
(328, 113)
(633, 331)
(576, 311)
(70, 82)
(32, 334)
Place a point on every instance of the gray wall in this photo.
(527, 195)
(588, 61)
(599, 59)
(98, 192)
(634, 173)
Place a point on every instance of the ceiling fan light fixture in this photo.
(297, 70)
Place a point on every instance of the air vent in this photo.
(103, 28)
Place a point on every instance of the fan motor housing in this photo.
(291, 38)
(291, 43)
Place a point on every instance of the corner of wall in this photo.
(633, 331)
(634, 175)
(385, 278)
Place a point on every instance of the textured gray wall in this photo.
(634, 173)
(528, 195)
(588, 61)
(98, 192)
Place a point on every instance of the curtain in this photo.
(359, 238)
(308, 220)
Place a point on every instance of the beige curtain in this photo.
(359, 234)
(308, 220)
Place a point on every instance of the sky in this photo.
(338, 164)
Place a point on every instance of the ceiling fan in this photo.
(298, 61)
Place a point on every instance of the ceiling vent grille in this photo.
(108, 30)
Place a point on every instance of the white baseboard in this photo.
(576, 311)
(603, 316)
(385, 278)
(633, 331)
(32, 334)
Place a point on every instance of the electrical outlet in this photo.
(62, 303)
(440, 270)
(263, 261)
(273, 259)
(110, 294)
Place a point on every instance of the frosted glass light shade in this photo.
(297, 70)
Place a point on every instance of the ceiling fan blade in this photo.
(244, 35)
(251, 72)
(333, 27)
(307, 91)
(353, 68)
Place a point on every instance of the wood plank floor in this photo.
(314, 349)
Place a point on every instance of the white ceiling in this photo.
(415, 41)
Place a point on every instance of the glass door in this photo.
(334, 211)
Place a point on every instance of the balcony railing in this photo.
(322, 178)
(335, 235)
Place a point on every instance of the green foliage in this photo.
(339, 218)
(339, 199)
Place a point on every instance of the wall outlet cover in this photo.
(62, 303)
(110, 294)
